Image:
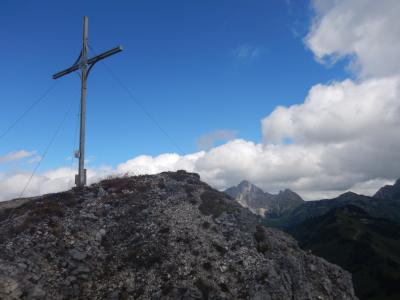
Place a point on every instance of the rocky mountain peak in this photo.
(289, 193)
(286, 191)
(245, 184)
(347, 196)
(288, 200)
(247, 187)
(165, 236)
(263, 203)
(389, 192)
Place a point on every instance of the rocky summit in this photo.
(263, 203)
(165, 236)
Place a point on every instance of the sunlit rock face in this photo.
(264, 204)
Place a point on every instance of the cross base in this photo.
(80, 182)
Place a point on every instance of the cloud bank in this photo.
(343, 136)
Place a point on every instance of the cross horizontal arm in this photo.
(104, 55)
(66, 71)
(90, 61)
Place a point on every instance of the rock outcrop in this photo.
(166, 236)
(263, 203)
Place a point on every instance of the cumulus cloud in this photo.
(344, 136)
(271, 167)
(366, 30)
(352, 129)
(145, 164)
(338, 112)
(208, 140)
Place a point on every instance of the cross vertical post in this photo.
(80, 179)
(84, 64)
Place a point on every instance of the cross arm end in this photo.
(66, 71)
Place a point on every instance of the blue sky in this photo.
(197, 67)
(286, 94)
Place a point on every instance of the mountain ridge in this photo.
(389, 192)
(379, 208)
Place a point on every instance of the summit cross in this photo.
(84, 64)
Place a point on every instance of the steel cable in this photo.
(47, 148)
(28, 109)
(141, 106)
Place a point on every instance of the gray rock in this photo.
(101, 192)
(77, 254)
(173, 237)
(262, 203)
(70, 280)
(38, 293)
(100, 234)
(81, 269)
(9, 288)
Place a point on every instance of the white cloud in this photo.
(344, 136)
(34, 159)
(366, 30)
(370, 187)
(14, 185)
(338, 112)
(18, 155)
(145, 164)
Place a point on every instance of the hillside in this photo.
(166, 236)
(367, 247)
(389, 192)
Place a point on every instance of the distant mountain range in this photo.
(379, 208)
(264, 204)
(287, 208)
(359, 233)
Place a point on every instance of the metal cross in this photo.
(85, 64)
